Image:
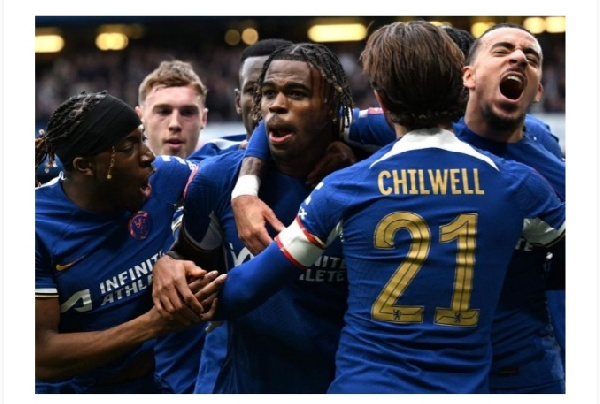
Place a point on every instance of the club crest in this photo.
(140, 225)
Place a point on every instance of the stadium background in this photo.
(202, 40)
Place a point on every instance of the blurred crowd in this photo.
(60, 76)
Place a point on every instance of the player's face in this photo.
(504, 79)
(249, 74)
(173, 118)
(128, 188)
(297, 116)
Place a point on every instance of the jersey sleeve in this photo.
(258, 145)
(205, 194)
(369, 130)
(543, 211)
(295, 248)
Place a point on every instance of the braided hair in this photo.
(84, 125)
(328, 65)
(63, 121)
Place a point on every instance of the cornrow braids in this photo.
(63, 121)
(327, 63)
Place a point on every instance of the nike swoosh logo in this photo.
(67, 266)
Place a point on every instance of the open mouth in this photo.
(512, 86)
(279, 135)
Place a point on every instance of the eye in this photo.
(163, 111)
(297, 94)
(189, 112)
(268, 94)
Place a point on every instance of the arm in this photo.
(59, 356)
(250, 212)
(174, 274)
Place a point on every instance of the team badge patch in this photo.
(140, 225)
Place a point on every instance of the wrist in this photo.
(246, 185)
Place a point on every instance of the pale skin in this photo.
(505, 54)
(173, 118)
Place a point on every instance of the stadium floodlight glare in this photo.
(337, 32)
(480, 27)
(536, 25)
(114, 41)
(51, 43)
(556, 24)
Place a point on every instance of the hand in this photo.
(338, 155)
(251, 214)
(206, 293)
(171, 294)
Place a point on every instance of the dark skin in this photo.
(60, 356)
(299, 130)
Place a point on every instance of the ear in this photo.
(468, 76)
(139, 111)
(204, 118)
(84, 165)
(238, 101)
(539, 94)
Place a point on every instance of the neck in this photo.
(86, 194)
(482, 127)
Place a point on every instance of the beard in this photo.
(502, 122)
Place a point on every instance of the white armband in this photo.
(246, 185)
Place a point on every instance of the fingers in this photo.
(209, 291)
(250, 219)
(273, 221)
(171, 294)
(211, 312)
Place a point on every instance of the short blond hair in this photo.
(172, 73)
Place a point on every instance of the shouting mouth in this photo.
(512, 86)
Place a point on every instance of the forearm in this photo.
(61, 356)
(251, 284)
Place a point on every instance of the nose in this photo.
(518, 57)
(175, 120)
(146, 154)
(279, 104)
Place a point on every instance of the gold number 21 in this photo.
(463, 229)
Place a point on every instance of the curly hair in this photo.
(331, 70)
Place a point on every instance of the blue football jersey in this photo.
(100, 264)
(523, 360)
(217, 146)
(428, 226)
(287, 344)
(527, 354)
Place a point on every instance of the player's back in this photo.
(429, 225)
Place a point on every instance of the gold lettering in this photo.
(422, 189)
(413, 190)
(438, 181)
(454, 181)
(478, 190)
(465, 178)
(383, 175)
(398, 181)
